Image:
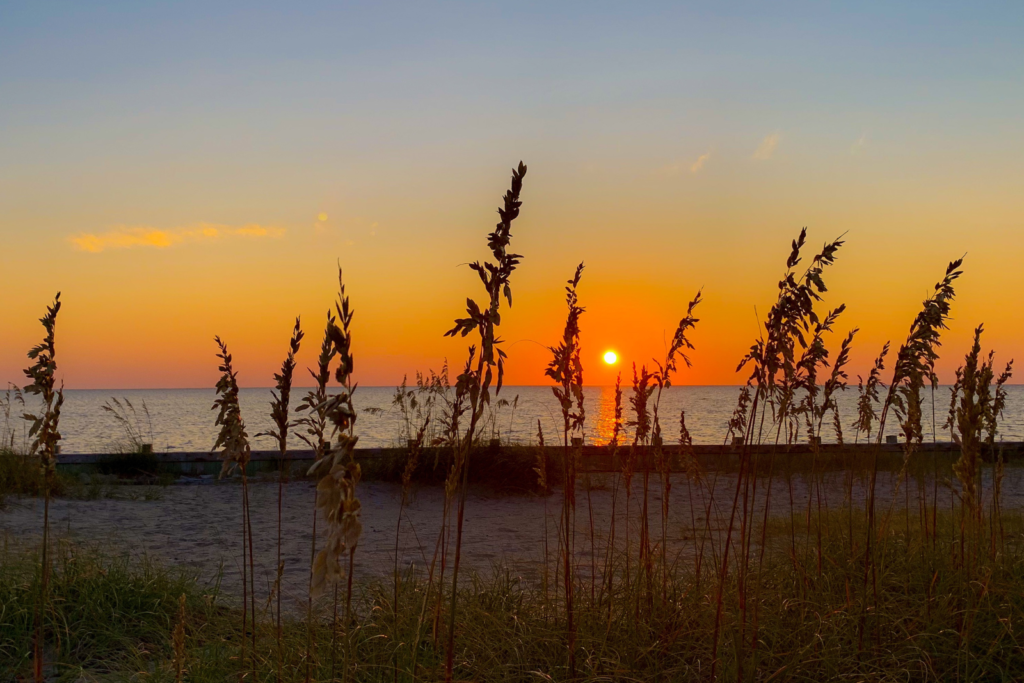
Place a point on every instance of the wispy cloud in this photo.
(858, 147)
(676, 167)
(767, 146)
(701, 160)
(128, 237)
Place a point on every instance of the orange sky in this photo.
(146, 316)
(203, 173)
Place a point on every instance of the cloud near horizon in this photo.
(125, 237)
(767, 146)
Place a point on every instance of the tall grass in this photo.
(131, 455)
(783, 361)
(314, 404)
(233, 440)
(338, 474)
(45, 434)
(566, 369)
(281, 417)
(508, 632)
(475, 382)
(13, 435)
(977, 401)
(136, 427)
(663, 379)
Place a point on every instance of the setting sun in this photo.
(610, 357)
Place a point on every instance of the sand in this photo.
(196, 524)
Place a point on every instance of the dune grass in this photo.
(928, 623)
(873, 589)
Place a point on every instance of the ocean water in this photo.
(182, 419)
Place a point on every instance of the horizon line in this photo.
(395, 386)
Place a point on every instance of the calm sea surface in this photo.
(181, 419)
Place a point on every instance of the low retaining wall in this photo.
(594, 458)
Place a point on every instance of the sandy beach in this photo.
(196, 524)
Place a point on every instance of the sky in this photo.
(190, 169)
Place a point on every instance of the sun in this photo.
(610, 357)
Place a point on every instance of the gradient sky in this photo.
(190, 169)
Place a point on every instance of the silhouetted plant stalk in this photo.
(973, 421)
(613, 452)
(338, 475)
(643, 388)
(235, 452)
(411, 464)
(815, 356)
(692, 471)
(44, 431)
(991, 426)
(775, 377)
(866, 417)
(541, 470)
(663, 380)
(799, 378)
(314, 405)
(566, 369)
(417, 405)
(280, 416)
(452, 413)
(628, 471)
(975, 413)
(915, 361)
(837, 381)
(476, 382)
(452, 407)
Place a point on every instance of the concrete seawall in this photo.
(593, 458)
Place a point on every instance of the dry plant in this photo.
(314, 422)
(566, 369)
(790, 347)
(643, 388)
(867, 399)
(279, 414)
(233, 441)
(817, 402)
(12, 401)
(628, 465)
(663, 379)
(475, 383)
(613, 452)
(868, 396)
(338, 473)
(692, 471)
(178, 642)
(411, 463)
(915, 361)
(541, 469)
(975, 412)
(136, 428)
(45, 434)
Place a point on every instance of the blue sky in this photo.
(661, 137)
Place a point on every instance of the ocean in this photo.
(182, 419)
